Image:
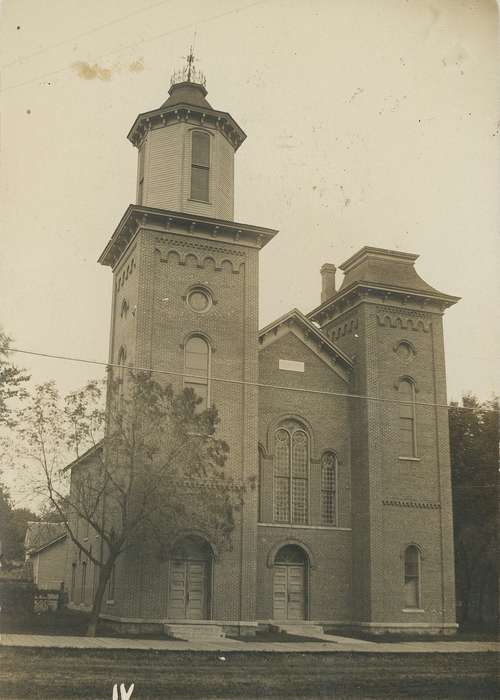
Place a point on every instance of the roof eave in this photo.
(161, 111)
(446, 299)
(37, 550)
(296, 314)
(242, 234)
(84, 456)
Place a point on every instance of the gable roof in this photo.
(296, 322)
(85, 456)
(40, 535)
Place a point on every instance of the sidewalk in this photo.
(338, 644)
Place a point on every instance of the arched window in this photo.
(261, 484)
(407, 429)
(197, 368)
(200, 165)
(291, 474)
(329, 489)
(412, 592)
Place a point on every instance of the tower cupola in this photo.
(186, 151)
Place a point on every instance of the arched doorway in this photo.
(190, 579)
(290, 584)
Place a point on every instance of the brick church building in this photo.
(339, 413)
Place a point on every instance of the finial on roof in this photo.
(189, 74)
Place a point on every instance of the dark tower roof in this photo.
(187, 93)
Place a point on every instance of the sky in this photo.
(368, 122)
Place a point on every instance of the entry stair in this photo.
(313, 631)
(193, 632)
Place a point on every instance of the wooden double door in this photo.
(289, 592)
(189, 590)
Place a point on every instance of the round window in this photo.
(199, 300)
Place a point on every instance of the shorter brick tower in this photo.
(389, 321)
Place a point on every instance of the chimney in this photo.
(327, 281)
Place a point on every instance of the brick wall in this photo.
(397, 502)
(327, 423)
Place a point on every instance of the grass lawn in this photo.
(51, 674)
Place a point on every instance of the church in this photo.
(339, 413)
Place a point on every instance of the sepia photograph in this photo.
(249, 349)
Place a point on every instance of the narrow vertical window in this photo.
(300, 473)
(73, 582)
(120, 374)
(261, 486)
(282, 477)
(407, 431)
(111, 586)
(412, 596)
(83, 596)
(329, 489)
(140, 175)
(200, 165)
(197, 369)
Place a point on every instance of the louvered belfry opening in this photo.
(200, 166)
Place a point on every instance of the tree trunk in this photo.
(104, 574)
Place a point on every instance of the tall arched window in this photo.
(291, 474)
(412, 587)
(329, 489)
(197, 368)
(200, 165)
(407, 428)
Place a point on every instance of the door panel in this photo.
(188, 595)
(296, 592)
(177, 590)
(279, 593)
(289, 593)
(196, 590)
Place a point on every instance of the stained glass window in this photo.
(291, 475)
(328, 489)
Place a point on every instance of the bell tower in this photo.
(185, 302)
(186, 151)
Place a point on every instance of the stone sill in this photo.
(293, 526)
(409, 459)
(199, 201)
(413, 610)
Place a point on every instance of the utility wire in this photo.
(242, 382)
(122, 18)
(139, 43)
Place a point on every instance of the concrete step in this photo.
(195, 632)
(299, 630)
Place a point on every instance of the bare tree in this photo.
(146, 467)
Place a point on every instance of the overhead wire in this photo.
(242, 382)
(139, 43)
(88, 32)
